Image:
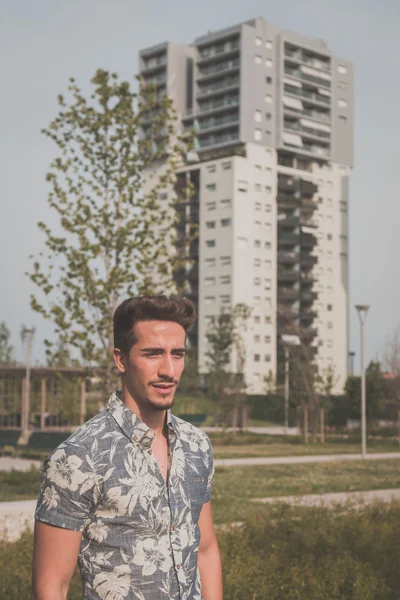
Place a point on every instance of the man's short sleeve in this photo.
(69, 488)
(211, 469)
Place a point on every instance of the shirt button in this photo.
(150, 451)
(174, 527)
(178, 566)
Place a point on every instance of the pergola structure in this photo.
(58, 397)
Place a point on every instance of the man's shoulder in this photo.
(82, 439)
(188, 431)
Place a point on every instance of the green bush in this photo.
(281, 554)
(314, 554)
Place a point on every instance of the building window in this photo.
(257, 319)
(329, 307)
(163, 196)
(257, 339)
(257, 187)
(267, 245)
(226, 165)
(225, 203)
(329, 237)
(257, 205)
(258, 41)
(210, 243)
(258, 116)
(268, 116)
(343, 206)
(342, 70)
(257, 224)
(343, 118)
(267, 339)
(267, 284)
(329, 343)
(257, 244)
(224, 279)
(267, 320)
(257, 135)
(257, 280)
(268, 208)
(269, 80)
(210, 262)
(268, 189)
(211, 168)
(243, 186)
(342, 103)
(258, 168)
(257, 262)
(268, 99)
(267, 358)
(268, 265)
(256, 358)
(209, 299)
(211, 187)
(258, 59)
(330, 202)
(268, 62)
(211, 205)
(225, 261)
(342, 85)
(267, 226)
(268, 45)
(225, 299)
(330, 325)
(225, 222)
(209, 281)
(210, 224)
(256, 300)
(242, 243)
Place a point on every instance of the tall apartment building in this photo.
(272, 113)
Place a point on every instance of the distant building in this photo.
(273, 116)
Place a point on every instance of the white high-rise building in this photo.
(273, 116)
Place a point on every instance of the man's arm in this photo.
(55, 554)
(209, 557)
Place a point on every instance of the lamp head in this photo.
(362, 311)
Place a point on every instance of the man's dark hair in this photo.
(149, 308)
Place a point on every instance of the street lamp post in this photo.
(27, 338)
(288, 340)
(351, 356)
(362, 310)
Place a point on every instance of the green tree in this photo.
(226, 356)
(377, 393)
(6, 349)
(117, 150)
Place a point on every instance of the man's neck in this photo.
(154, 419)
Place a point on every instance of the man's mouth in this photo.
(163, 388)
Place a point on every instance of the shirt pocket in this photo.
(196, 485)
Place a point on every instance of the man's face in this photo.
(154, 366)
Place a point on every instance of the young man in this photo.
(129, 492)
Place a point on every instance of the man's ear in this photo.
(120, 360)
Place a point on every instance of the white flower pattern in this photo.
(140, 537)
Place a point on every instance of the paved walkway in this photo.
(7, 463)
(329, 500)
(291, 460)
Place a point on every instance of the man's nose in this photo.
(166, 368)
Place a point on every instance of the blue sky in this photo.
(45, 42)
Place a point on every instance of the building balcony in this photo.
(287, 184)
(285, 257)
(297, 73)
(156, 79)
(220, 104)
(307, 279)
(308, 259)
(308, 333)
(308, 240)
(214, 70)
(209, 53)
(300, 56)
(225, 84)
(308, 296)
(311, 97)
(315, 115)
(288, 294)
(306, 131)
(288, 239)
(288, 275)
(308, 315)
(217, 140)
(216, 122)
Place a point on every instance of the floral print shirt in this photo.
(140, 535)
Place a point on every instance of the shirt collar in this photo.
(133, 427)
